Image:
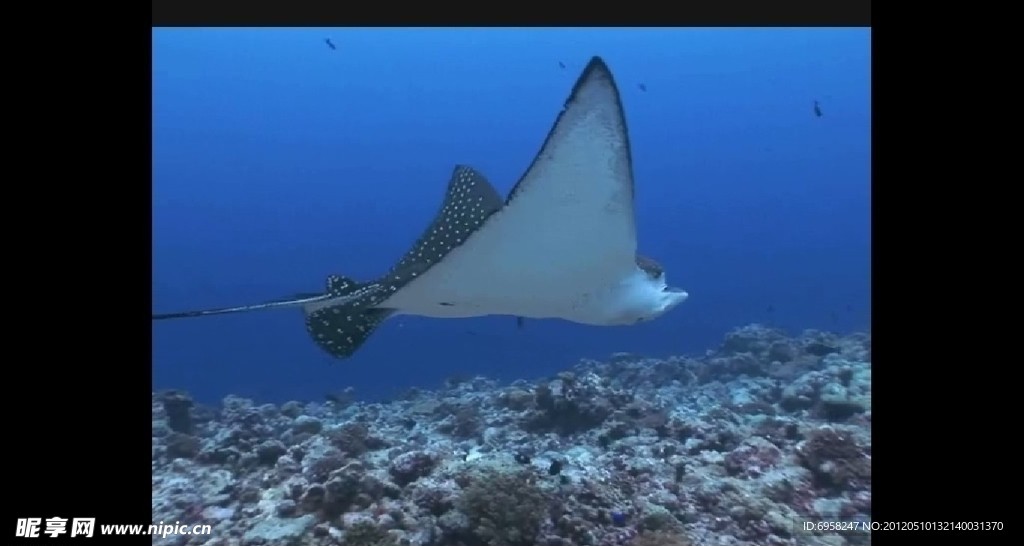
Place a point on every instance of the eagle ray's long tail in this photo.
(295, 301)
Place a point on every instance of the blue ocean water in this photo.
(278, 160)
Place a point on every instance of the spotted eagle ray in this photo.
(562, 245)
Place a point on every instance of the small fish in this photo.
(329, 43)
(520, 322)
(817, 109)
(642, 86)
(561, 65)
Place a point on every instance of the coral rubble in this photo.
(737, 447)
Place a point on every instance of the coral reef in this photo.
(734, 448)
